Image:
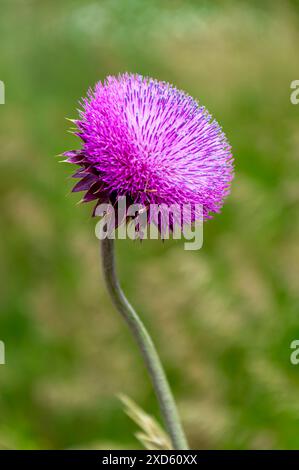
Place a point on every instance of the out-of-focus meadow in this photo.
(223, 317)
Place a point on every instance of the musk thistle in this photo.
(154, 144)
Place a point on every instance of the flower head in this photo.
(148, 141)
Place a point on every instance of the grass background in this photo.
(223, 318)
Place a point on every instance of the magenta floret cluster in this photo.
(148, 141)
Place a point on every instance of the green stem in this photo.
(148, 350)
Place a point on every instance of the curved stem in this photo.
(148, 350)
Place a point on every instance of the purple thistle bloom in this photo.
(152, 143)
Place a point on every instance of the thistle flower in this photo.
(155, 145)
(148, 141)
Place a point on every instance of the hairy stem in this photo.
(147, 348)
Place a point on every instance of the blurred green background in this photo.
(223, 317)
